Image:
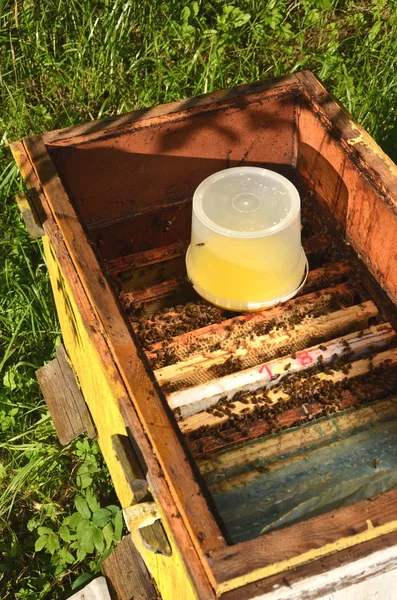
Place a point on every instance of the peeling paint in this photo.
(342, 544)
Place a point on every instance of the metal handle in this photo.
(143, 515)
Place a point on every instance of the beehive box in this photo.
(261, 448)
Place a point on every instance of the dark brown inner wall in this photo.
(149, 165)
(133, 188)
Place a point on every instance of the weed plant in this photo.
(64, 62)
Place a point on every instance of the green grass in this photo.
(66, 62)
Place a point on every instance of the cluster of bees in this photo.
(305, 397)
(230, 365)
(176, 320)
(237, 333)
(267, 351)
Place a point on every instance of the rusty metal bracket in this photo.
(155, 538)
(143, 515)
(146, 518)
(131, 466)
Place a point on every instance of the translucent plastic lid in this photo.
(246, 202)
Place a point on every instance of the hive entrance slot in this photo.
(258, 396)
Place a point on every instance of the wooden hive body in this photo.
(116, 197)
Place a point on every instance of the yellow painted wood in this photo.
(370, 533)
(100, 390)
(140, 515)
(169, 572)
(98, 394)
(29, 217)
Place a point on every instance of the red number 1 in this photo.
(267, 369)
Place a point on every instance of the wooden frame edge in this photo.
(31, 181)
(379, 167)
(297, 544)
(113, 124)
(156, 479)
(293, 584)
(142, 388)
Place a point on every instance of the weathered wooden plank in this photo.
(149, 257)
(300, 543)
(254, 351)
(32, 182)
(153, 292)
(126, 573)
(327, 276)
(29, 215)
(315, 579)
(270, 374)
(113, 412)
(149, 116)
(247, 322)
(222, 471)
(337, 474)
(353, 177)
(359, 367)
(64, 399)
(356, 142)
(143, 393)
(82, 336)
